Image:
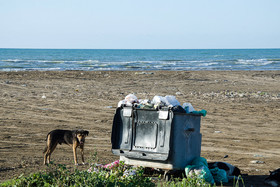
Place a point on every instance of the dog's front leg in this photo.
(75, 154)
(82, 154)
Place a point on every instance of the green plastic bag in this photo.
(199, 161)
(219, 175)
(199, 168)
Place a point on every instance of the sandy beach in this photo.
(241, 126)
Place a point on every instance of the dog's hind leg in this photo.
(52, 148)
(46, 150)
(49, 149)
(45, 157)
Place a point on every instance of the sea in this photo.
(139, 59)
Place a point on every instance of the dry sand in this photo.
(242, 121)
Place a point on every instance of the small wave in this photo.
(196, 61)
(256, 62)
(171, 60)
(88, 65)
(13, 60)
(273, 59)
(51, 62)
(207, 64)
(226, 60)
(87, 61)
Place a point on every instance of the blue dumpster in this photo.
(163, 138)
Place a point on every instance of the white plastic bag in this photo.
(122, 102)
(131, 98)
(171, 100)
(188, 107)
(144, 102)
(157, 100)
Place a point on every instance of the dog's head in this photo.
(81, 136)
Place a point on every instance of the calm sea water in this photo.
(107, 59)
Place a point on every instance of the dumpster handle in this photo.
(190, 129)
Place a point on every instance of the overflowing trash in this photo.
(216, 172)
(158, 102)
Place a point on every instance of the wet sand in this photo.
(242, 123)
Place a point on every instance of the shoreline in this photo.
(137, 70)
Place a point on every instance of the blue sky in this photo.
(145, 24)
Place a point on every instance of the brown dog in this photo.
(75, 138)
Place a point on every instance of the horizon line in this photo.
(138, 48)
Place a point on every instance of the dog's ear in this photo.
(86, 133)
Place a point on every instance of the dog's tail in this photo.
(47, 136)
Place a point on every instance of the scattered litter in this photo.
(93, 170)
(225, 156)
(179, 93)
(44, 96)
(109, 107)
(144, 73)
(257, 162)
(112, 165)
(256, 155)
(129, 172)
(218, 132)
(97, 167)
(45, 109)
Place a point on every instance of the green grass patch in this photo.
(114, 174)
(59, 175)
